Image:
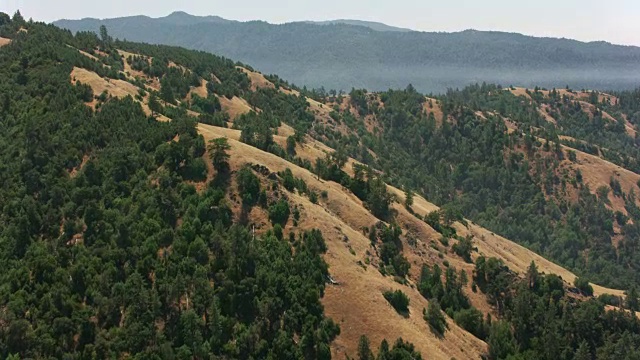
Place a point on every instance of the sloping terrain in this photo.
(306, 53)
(359, 292)
(170, 244)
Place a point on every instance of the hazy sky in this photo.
(616, 21)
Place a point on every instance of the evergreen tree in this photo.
(408, 199)
(434, 317)
(364, 350)
(383, 351)
(218, 153)
(501, 342)
(154, 104)
(632, 302)
(583, 352)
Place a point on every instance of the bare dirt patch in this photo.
(4, 41)
(432, 106)
(74, 172)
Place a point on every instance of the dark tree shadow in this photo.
(222, 180)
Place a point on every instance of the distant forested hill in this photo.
(342, 56)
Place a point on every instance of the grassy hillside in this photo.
(342, 56)
(166, 203)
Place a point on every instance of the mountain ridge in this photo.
(173, 203)
(345, 56)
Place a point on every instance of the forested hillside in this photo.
(166, 203)
(108, 252)
(352, 54)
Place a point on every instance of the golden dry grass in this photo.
(115, 88)
(357, 303)
(519, 91)
(152, 83)
(258, 81)
(200, 90)
(542, 110)
(4, 41)
(516, 257)
(92, 57)
(581, 97)
(174, 65)
(489, 244)
(432, 106)
(320, 111)
(597, 172)
(235, 106)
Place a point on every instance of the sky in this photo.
(614, 21)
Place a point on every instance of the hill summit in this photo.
(355, 54)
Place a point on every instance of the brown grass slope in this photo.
(357, 303)
(258, 81)
(114, 88)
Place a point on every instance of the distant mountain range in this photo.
(342, 54)
(370, 24)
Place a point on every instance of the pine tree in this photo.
(501, 342)
(154, 104)
(408, 201)
(532, 275)
(383, 352)
(583, 352)
(364, 350)
(632, 299)
(218, 153)
(433, 315)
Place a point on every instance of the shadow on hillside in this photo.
(222, 179)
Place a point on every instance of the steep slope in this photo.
(139, 229)
(343, 56)
(359, 292)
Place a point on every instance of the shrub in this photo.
(463, 248)
(583, 285)
(248, 186)
(434, 317)
(398, 300)
(471, 320)
(279, 212)
(313, 197)
(196, 170)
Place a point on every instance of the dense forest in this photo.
(510, 182)
(112, 252)
(306, 53)
(122, 256)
